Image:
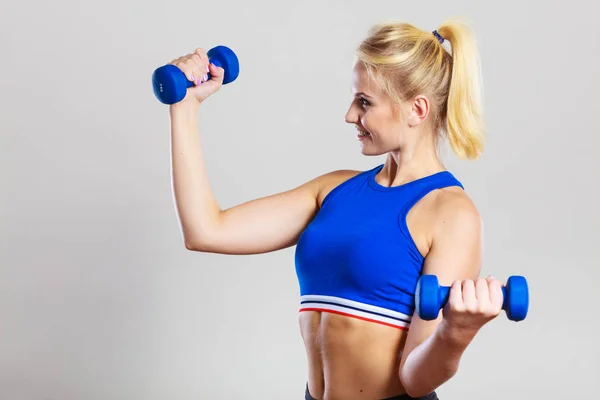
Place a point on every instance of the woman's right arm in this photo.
(258, 226)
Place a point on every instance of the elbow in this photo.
(409, 386)
(195, 244)
(416, 392)
(422, 385)
(191, 245)
(200, 240)
(406, 382)
(200, 237)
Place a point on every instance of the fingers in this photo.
(473, 303)
(194, 66)
(496, 295)
(469, 296)
(195, 63)
(480, 296)
(483, 295)
(201, 59)
(217, 73)
(455, 297)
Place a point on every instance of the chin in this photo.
(369, 151)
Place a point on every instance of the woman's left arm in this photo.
(433, 349)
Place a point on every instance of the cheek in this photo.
(376, 122)
(383, 126)
(371, 120)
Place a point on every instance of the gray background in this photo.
(100, 300)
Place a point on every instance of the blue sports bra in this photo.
(357, 257)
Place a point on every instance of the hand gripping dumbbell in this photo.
(170, 83)
(430, 297)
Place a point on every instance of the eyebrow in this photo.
(363, 94)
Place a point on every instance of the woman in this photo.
(364, 237)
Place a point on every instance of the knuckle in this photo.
(457, 307)
(472, 308)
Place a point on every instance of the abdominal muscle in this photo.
(349, 358)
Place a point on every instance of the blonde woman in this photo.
(363, 238)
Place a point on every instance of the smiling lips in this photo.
(362, 134)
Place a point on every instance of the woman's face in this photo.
(379, 121)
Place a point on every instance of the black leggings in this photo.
(431, 396)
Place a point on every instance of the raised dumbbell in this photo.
(430, 297)
(170, 83)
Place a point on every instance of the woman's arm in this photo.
(257, 226)
(434, 348)
(261, 225)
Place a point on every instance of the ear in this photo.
(418, 110)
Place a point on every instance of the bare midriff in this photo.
(349, 358)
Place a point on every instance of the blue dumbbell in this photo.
(170, 83)
(430, 297)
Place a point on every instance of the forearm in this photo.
(434, 361)
(197, 208)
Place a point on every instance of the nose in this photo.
(351, 115)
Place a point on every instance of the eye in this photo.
(364, 101)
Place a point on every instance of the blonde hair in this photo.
(406, 61)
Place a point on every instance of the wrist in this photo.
(457, 337)
(185, 107)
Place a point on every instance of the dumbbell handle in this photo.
(444, 294)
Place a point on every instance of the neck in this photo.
(410, 163)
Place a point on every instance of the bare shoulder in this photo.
(453, 205)
(329, 181)
(447, 206)
(457, 223)
(455, 213)
(440, 215)
(457, 237)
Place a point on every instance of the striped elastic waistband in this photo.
(355, 309)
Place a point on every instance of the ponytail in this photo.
(464, 125)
